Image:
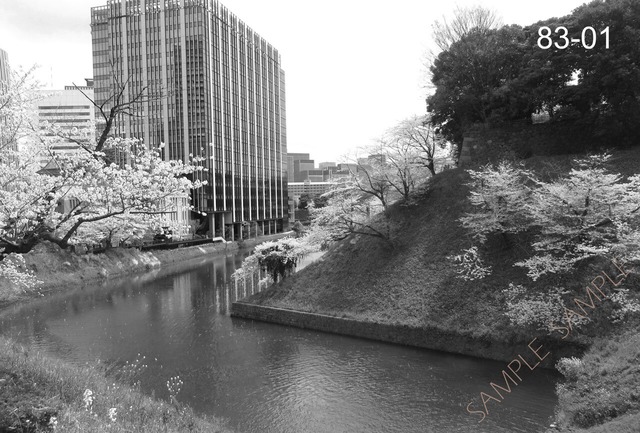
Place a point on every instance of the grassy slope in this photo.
(414, 283)
(34, 388)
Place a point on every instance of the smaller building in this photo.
(348, 169)
(324, 165)
(314, 175)
(300, 167)
(296, 189)
(67, 113)
(291, 159)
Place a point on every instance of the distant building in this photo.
(291, 159)
(297, 189)
(312, 188)
(332, 173)
(306, 178)
(323, 165)
(300, 167)
(313, 175)
(345, 168)
(70, 110)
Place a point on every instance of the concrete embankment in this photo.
(423, 337)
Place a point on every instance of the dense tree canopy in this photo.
(474, 80)
(492, 76)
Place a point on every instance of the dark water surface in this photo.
(264, 378)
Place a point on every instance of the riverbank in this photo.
(43, 394)
(39, 392)
(424, 337)
(61, 269)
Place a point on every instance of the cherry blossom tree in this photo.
(369, 175)
(350, 211)
(500, 195)
(591, 212)
(418, 137)
(587, 213)
(90, 193)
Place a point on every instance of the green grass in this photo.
(37, 391)
(368, 280)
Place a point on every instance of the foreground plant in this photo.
(278, 258)
(42, 394)
(111, 190)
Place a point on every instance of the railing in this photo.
(179, 244)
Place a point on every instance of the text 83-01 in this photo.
(588, 38)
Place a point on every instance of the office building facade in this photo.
(7, 139)
(208, 86)
(72, 112)
(5, 71)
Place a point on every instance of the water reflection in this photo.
(269, 378)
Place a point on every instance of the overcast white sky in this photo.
(354, 67)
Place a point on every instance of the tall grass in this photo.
(601, 392)
(42, 394)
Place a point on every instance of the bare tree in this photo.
(446, 31)
(116, 105)
(348, 211)
(370, 178)
(391, 171)
(399, 165)
(121, 102)
(417, 134)
(465, 19)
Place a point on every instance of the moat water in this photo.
(266, 378)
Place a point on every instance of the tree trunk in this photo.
(431, 167)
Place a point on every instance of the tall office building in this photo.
(4, 68)
(212, 87)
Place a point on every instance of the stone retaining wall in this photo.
(520, 139)
(428, 338)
